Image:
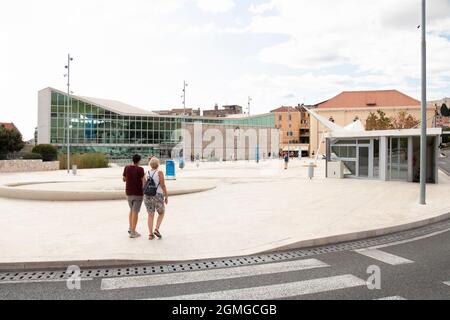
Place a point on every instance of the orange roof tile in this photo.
(375, 99)
(285, 109)
(9, 126)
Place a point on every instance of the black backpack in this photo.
(150, 187)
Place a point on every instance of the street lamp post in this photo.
(184, 98)
(68, 115)
(423, 136)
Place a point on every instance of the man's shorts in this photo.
(155, 203)
(135, 203)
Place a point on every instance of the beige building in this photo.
(293, 124)
(349, 106)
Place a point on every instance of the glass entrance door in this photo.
(398, 159)
(363, 162)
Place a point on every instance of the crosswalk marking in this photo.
(209, 275)
(392, 298)
(279, 291)
(391, 244)
(384, 256)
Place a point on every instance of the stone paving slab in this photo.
(255, 208)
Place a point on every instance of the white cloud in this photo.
(216, 6)
(376, 37)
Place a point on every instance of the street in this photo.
(415, 267)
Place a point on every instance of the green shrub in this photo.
(32, 156)
(47, 151)
(84, 161)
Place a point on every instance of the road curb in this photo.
(115, 263)
(360, 235)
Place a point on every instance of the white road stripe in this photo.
(409, 240)
(279, 291)
(384, 257)
(392, 298)
(447, 283)
(209, 275)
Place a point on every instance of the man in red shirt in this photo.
(134, 176)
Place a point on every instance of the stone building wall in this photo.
(27, 165)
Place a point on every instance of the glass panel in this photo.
(403, 158)
(376, 158)
(394, 159)
(352, 152)
(363, 162)
(345, 142)
(349, 168)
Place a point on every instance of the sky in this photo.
(279, 52)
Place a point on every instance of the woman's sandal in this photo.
(158, 234)
(151, 237)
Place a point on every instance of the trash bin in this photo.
(74, 169)
(311, 170)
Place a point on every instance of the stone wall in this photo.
(27, 165)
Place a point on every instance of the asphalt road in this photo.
(417, 269)
(444, 163)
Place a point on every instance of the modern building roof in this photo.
(364, 99)
(118, 107)
(111, 105)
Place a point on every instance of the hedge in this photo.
(84, 161)
(32, 156)
(47, 151)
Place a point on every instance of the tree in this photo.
(404, 121)
(10, 141)
(445, 111)
(378, 121)
(47, 151)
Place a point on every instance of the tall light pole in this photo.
(184, 97)
(68, 115)
(423, 136)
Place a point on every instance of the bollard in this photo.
(311, 170)
(74, 169)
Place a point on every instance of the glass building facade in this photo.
(94, 128)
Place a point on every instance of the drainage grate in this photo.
(224, 263)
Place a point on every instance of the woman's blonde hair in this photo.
(154, 163)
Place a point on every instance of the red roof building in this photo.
(364, 99)
(9, 126)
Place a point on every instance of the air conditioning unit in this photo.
(335, 170)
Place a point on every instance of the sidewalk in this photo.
(255, 208)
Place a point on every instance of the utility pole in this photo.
(68, 115)
(184, 98)
(423, 136)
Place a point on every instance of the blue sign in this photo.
(170, 169)
(181, 163)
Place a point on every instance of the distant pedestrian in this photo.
(286, 160)
(156, 197)
(134, 175)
